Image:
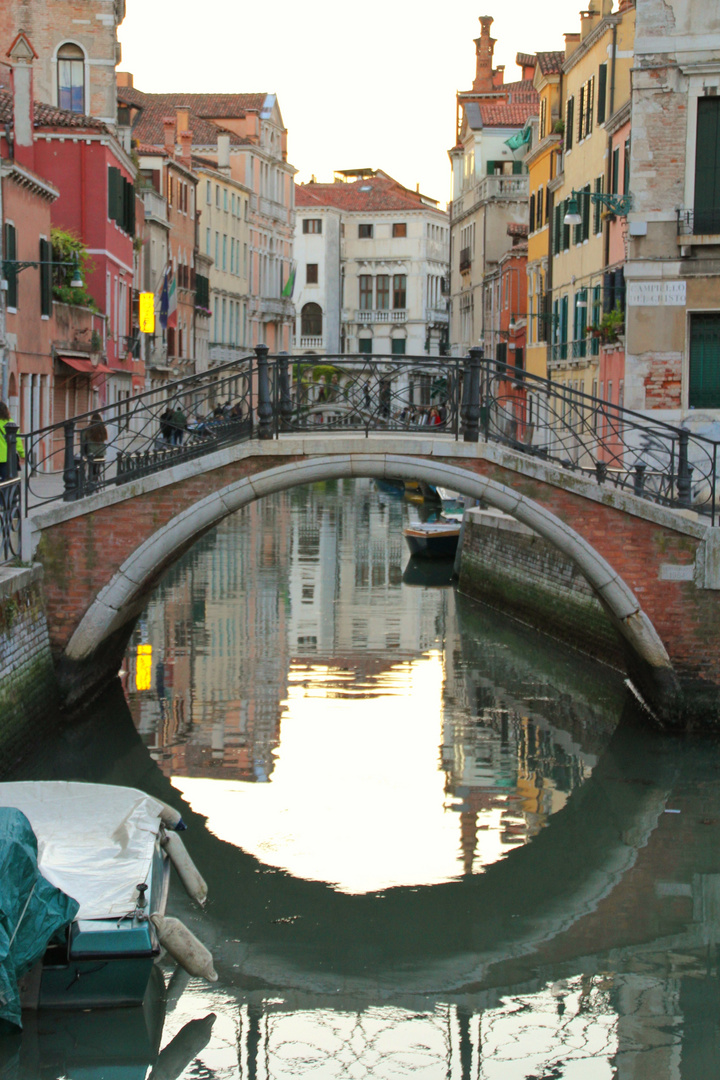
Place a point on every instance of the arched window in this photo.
(71, 78)
(311, 320)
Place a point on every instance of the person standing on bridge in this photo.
(4, 463)
(92, 442)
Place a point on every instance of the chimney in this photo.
(223, 152)
(169, 135)
(499, 76)
(185, 140)
(484, 47)
(22, 54)
(124, 79)
(182, 113)
(571, 43)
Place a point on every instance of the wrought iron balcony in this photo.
(699, 222)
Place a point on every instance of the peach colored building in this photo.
(257, 157)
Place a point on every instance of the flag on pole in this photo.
(164, 302)
(289, 285)
(172, 301)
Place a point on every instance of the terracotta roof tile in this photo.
(148, 128)
(48, 116)
(511, 115)
(526, 59)
(517, 229)
(550, 63)
(373, 193)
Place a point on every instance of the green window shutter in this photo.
(113, 178)
(563, 327)
(556, 229)
(597, 207)
(45, 277)
(397, 346)
(569, 121)
(626, 168)
(707, 166)
(10, 271)
(704, 389)
(585, 211)
(595, 318)
(565, 228)
(365, 345)
(531, 224)
(517, 168)
(601, 93)
(615, 173)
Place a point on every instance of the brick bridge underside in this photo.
(653, 570)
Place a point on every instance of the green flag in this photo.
(289, 285)
(519, 139)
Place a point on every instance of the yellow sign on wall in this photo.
(147, 313)
(143, 668)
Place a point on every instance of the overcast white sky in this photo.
(372, 87)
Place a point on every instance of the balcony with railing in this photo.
(465, 260)
(437, 315)
(491, 187)
(702, 225)
(396, 315)
(270, 208)
(308, 341)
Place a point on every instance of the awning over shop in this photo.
(86, 367)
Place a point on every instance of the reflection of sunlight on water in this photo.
(356, 797)
(567, 1029)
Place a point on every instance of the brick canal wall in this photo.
(508, 566)
(28, 690)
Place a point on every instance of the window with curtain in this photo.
(71, 78)
(311, 320)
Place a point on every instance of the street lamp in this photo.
(620, 205)
(15, 266)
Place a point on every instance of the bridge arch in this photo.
(120, 601)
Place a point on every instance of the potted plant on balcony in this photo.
(611, 326)
(66, 248)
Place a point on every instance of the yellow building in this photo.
(542, 162)
(581, 283)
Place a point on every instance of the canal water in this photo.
(438, 844)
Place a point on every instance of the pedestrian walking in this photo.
(93, 440)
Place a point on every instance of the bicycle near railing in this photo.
(10, 519)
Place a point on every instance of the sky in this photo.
(371, 86)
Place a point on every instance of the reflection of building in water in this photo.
(506, 768)
(217, 628)
(345, 582)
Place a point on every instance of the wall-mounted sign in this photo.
(146, 313)
(656, 293)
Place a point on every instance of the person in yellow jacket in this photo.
(4, 464)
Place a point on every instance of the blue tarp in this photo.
(31, 909)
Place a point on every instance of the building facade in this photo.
(585, 286)
(371, 262)
(673, 268)
(77, 50)
(255, 151)
(490, 187)
(224, 238)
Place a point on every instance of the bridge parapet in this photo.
(653, 568)
(473, 398)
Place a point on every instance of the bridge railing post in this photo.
(285, 407)
(639, 479)
(70, 474)
(264, 407)
(685, 471)
(471, 395)
(11, 431)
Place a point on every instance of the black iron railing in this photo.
(661, 462)
(10, 520)
(699, 222)
(260, 396)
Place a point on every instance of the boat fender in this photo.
(188, 873)
(183, 1048)
(171, 818)
(184, 947)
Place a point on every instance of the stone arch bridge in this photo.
(656, 571)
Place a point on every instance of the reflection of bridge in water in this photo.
(608, 917)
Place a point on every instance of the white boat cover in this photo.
(95, 841)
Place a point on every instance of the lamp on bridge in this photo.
(619, 205)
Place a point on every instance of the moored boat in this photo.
(433, 539)
(86, 895)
